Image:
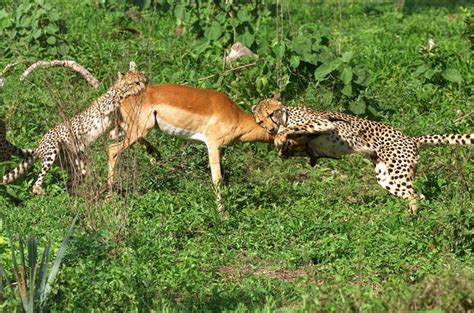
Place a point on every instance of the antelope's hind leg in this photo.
(150, 149)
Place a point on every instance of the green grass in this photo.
(292, 238)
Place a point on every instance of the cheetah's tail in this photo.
(452, 139)
(18, 171)
(23, 153)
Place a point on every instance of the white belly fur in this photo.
(181, 132)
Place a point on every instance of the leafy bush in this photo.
(292, 238)
(34, 26)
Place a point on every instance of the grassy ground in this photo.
(292, 238)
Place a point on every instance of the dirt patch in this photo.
(247, 266)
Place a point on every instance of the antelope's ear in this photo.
(281, 115)
(253, 108)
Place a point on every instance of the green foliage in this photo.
(306, 56)
(31, 275)
(34, 26)
(222, 23)
(292, 238)
(436, 69)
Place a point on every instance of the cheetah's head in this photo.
(270, 114)
(131, 83)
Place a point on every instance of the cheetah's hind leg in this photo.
(398, 181)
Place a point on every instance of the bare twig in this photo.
(7, 68)
(463, 116)
(224, 72)
(339, 39)
(65, 63)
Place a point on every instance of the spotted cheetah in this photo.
(7, 149)
(395, 155)
(66, 142)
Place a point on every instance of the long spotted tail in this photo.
(452, 139)
(23, 153)
(18, 171)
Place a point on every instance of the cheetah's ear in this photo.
(253, 108)
(120, 75)
(275, 95)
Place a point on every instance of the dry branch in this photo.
(7, 68)
(64, 63)
(224, 72)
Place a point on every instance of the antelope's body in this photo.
(199, 114)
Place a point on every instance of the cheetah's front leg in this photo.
(311, 127)
(281, 142)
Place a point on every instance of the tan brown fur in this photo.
(195, 113)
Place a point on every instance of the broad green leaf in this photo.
(179, 11)
(362, 76)
(284, 80)
(26, 22)
(429, 73)
(144, 4)
(243, 15)
(261, 83)
(213, 32)
(347, 56)
(36, 33)
(358, 107)
(57, 262)
(322, 72)
(32, 263)
(346, 75)
(51, 40)
(279, 49)
(347, 90)
(294, 61)
(234, 22)
(51, 29)
(54, 16)
(5, 20)
(52, 51)
(301, 45)
(246, 38)
(335, 63)
(452, 75)
(420, 70)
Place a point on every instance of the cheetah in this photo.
(332, 135)
(7, 149)
(66, 142)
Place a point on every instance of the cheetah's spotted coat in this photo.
(7, 149)
(332, 135)
(67, 141)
